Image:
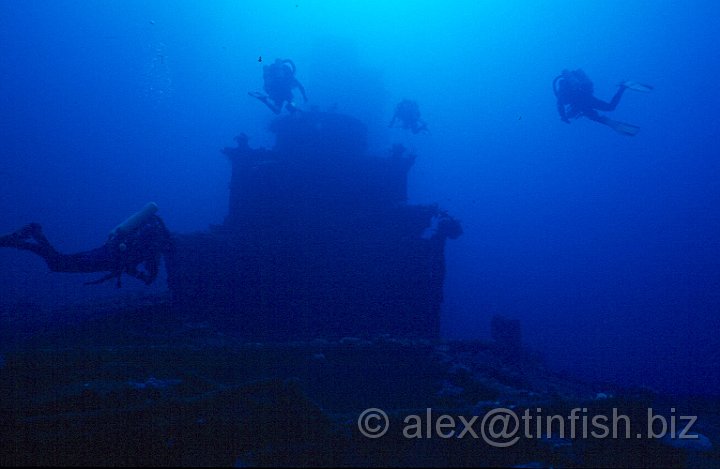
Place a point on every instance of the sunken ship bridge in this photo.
(318, 242)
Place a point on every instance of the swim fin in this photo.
(8, 241)
(258, 95)
(635, 86)
(620, 127)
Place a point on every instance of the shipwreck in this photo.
(319, 241)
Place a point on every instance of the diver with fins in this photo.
(407, 114)
(279, 83)
(574, 93)
(142, 239)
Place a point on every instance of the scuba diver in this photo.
(408, 113)
(574, 93)
(280, 80)
(141, 239)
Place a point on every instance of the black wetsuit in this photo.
(124, 254)
(279, 82)
(574, 93)
(408, 113)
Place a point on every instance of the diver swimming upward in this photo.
(407, 113)
(279, 82)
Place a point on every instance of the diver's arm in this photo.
(272, 105)
(168, 244)
(114, 274)
(147, 277)
(151, 272)
(422, 127)
(561, 111)
(299, 86)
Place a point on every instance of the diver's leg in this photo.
(618, 94)
(31, 238)
(620, 127)
(20, 240)
(601, 105)
(421, 126)
(12, 240)
(273, 105)
(593, 115)
(105, 278)
(266, 100)
(8, 240)
(96, 260)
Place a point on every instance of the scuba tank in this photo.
(576, 81)
(133, 222)
(569, 81)
(554, 84)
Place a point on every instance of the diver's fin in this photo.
(258, 95)
(8, 241)
(31, 230)
(620, 127)
(635, 86)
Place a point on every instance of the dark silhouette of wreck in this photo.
(318, 242)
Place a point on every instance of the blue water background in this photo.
(606, 247)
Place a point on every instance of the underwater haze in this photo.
(606, 247)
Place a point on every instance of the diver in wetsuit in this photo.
(141, 243)
(408, 113)
(279, 82)
(574, 93)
